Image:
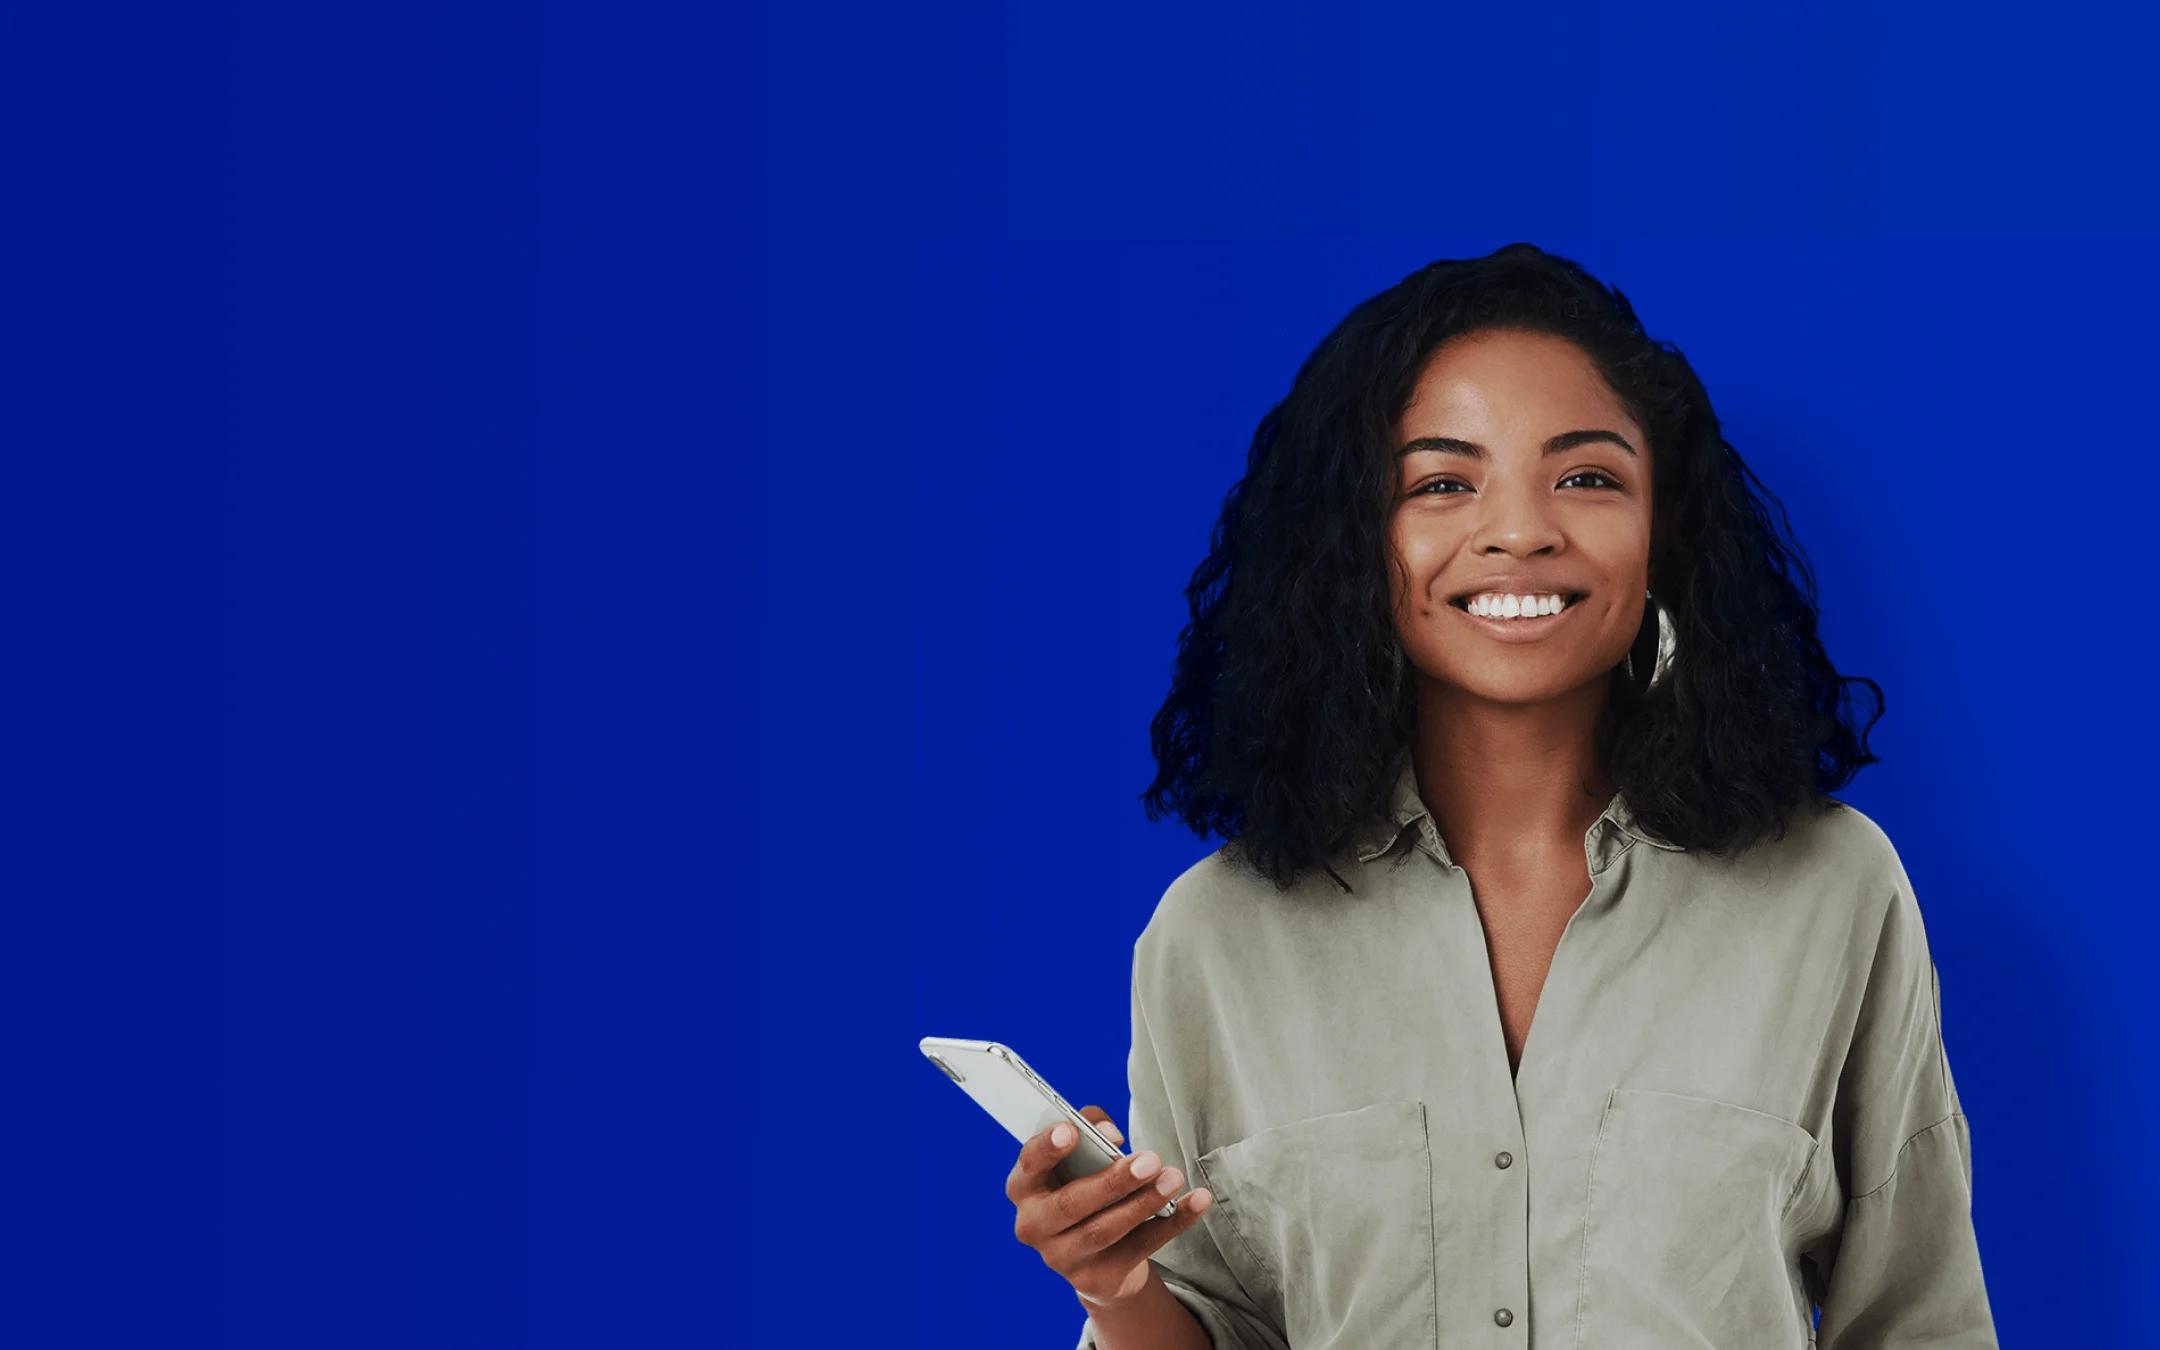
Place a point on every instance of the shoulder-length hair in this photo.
(1290, 701)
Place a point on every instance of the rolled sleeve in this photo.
(1903, 1269)
(1191, 1264)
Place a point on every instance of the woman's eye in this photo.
(1433, 484)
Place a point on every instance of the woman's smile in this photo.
(1495, 625)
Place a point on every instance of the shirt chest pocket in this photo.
(1684, 1238)
(1329, 1224)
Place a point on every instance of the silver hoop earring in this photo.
(1668, 645)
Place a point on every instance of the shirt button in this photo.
(1502, 1160)
(1503, 1317)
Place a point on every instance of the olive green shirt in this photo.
(1734, 1105)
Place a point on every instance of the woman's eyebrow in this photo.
(1558, 445)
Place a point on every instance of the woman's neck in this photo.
(1511, 780)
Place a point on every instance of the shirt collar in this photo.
(1607, 837)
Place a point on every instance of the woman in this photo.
(1541, 994)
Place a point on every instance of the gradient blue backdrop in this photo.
(582, 575)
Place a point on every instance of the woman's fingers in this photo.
(1097, 1231)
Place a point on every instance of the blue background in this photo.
(580, 576)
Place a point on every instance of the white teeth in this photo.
(1495, 606)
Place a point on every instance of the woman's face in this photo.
(1518, 473)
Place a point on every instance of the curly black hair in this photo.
(1290, 703)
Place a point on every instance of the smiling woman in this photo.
(1543, 538)
(1540, 989)
(1497, 425)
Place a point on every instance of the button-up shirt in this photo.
(1734, 1107)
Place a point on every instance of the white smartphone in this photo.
(1023, 1102)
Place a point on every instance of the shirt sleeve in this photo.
(1191, 1264)
(1903, 1268)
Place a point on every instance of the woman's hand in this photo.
(1099, 1231)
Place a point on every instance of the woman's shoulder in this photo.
(1840, 830)
(1198, 898)
(1831, 848)
(1219, 910)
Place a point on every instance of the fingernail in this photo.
(1061, 1136)
(1117, 1136)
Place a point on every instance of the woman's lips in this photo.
(1518, 630)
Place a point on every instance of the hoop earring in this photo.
(1656, 642)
